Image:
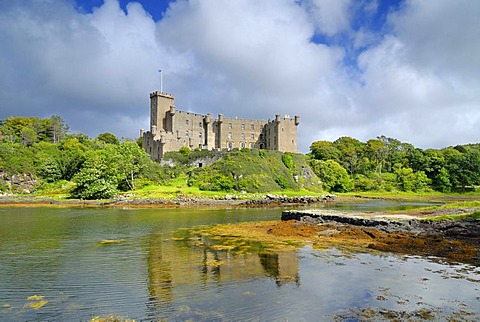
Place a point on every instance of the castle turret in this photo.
(160, 104)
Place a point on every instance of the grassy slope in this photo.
(252, 172)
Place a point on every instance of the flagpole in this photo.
(161, 81)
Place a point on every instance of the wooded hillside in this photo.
(39, 155)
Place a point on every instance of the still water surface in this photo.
(53, 267)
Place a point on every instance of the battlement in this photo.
(162, 94)
(287, 118)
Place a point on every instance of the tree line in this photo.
(93, 168)
(386, 164)
(30, 130)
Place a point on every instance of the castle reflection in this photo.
(176, 265)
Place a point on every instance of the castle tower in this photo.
(287, 133)
(162, 112)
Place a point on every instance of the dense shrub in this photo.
(334, 177)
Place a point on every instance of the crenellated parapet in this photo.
(162, 94)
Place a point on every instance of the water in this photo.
(54, 267)
(379, 205)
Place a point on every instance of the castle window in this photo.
(199, 124)
(230, 145)
(261, 136)
(243, 136)
(282, 129)
(252, 136)
(252, 145)
(186, 133)
(252, 126)
(229, 135)
(293, 141)
(186, 122)
(200, 135)
(243, 126)
(242, 145)
(230, 126)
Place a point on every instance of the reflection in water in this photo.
(176, 265)
(281, 266)
(160, 277)
(159, 273)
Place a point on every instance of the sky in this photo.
(406, 69)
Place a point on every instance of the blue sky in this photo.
(362, 68)
(156, 8)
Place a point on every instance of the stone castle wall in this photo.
(171, 129)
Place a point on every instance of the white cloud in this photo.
(91, 69)
(255, 64)
(330, 16)
(251, 59)
(424, 78)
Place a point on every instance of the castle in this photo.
(171, 129)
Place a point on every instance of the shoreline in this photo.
(182, 202)
(411, 232)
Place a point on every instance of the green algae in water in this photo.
(111, 242)
(35, 302)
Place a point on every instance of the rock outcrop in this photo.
(462, 228)
(23, 183)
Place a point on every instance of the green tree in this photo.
(434, 161)
(12, 128)
(421, 181)
(97, 179)
(130, 161)
(28, 135)
(108, 138)
(350, 153)
(376, 151)
(442, 181)
(395, 153)
(16, 158)
(405, 178)
(71, 156)
(463, 168)
(46, 156)
(408, 180)
(334, 177)
(57, 128)
(324, 150)
(28, 130)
